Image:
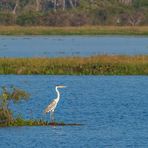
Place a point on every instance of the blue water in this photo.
(113, 109)
(55, 46)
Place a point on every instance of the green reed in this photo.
(95, 65)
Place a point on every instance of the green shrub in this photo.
(10, 94)
(30, 18)
(7, 19)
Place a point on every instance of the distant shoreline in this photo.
(95, 65)
(84, 30)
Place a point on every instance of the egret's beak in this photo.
(60, 86)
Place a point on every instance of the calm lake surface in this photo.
(55, 46)
(113, 109)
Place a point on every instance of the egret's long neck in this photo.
(58, 94)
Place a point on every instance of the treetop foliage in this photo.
(73, 12)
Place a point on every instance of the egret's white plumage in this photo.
(51, 107)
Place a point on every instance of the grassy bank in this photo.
(96, 65)
(85, 30)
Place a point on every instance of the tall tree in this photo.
(55, 5)
(71, 3)
(37, 5)
(15, 7)
(64, 4)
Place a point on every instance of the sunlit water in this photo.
(55, 46)
(113, 109)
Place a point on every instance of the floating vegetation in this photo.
(94, 65)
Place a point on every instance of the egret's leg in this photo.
(50, 116)
(53, 116)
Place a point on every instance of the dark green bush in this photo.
(30, 18)
(7, 19)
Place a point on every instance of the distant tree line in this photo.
(73, 12)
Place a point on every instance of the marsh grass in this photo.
(83, 30)
(95, 65)
(22, 122)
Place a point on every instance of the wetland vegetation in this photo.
(23, 122)
(94, 65)
(83, 30)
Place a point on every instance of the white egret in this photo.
(51, 107)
